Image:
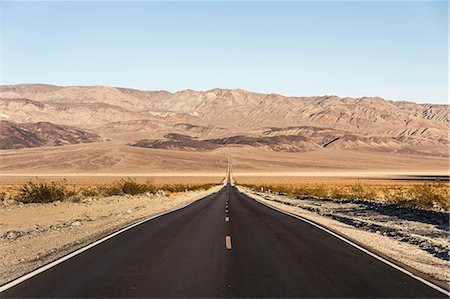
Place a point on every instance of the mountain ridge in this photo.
(366, 123)
(27, 135)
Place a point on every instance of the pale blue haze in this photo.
(397, 50)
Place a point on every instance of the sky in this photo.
(396, 50)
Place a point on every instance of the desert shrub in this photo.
(41, 192)
(131, 187)
(429, 195)
(425, 196)
(394, 195)
(173, 188)
(89, 191)
(338, 192)
(360, 191)
(317, 190)
(111, 190)
(201, 187)
(127, 186)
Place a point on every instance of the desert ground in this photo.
(119, 159)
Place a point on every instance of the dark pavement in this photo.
(184, 254)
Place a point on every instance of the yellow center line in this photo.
(228, 242)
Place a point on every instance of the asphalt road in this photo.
(187, 254)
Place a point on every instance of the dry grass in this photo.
(43, 191)
(96, 180)
(423, 195)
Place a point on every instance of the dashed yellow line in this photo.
(228, 242)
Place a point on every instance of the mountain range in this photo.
(36, 115)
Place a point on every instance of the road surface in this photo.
(225, 245)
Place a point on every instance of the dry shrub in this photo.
(429, 195)
(41, 192)
(315, 190)
(360, 191)
(394, 195)
(90, 191)
(185, 187)
(425, 196)
(339, 192)
(128, 186)
(131, 187)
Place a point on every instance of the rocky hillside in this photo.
(235, 118)
(15, 136)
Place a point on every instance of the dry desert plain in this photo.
(117, 158)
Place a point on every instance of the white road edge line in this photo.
(89, 246)
(430, 284)
(227, 219)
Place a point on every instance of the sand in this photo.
(117, 158)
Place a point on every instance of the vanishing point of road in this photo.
(224, 245)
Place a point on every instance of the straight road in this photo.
(225, 245)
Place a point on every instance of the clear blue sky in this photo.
(397, 50)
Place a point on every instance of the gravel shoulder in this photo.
(32, 235)
(415, 239)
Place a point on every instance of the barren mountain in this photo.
(15, 136)
(221, 118)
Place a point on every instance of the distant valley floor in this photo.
(116, 158)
